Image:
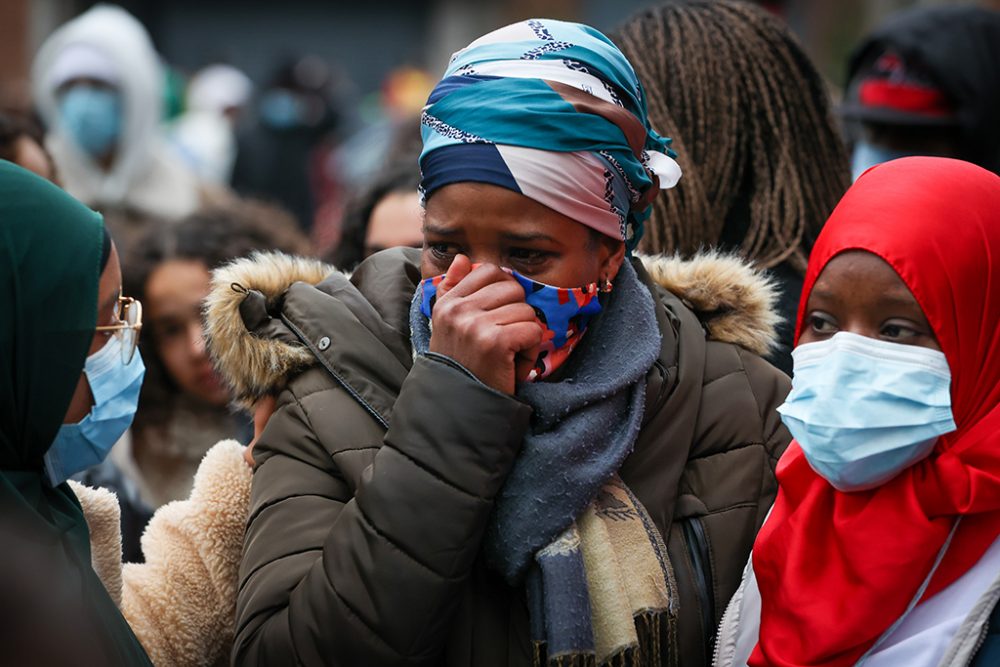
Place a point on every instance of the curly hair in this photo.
(750, 117)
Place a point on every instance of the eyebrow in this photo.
(518, 237)
(440, 231)
(892, 298)
(527, 237)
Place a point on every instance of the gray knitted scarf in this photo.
(585, 424)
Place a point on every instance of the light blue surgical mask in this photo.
(863, 409)
(92, 117)
(868, 155)
(281, 109)
(115, 386)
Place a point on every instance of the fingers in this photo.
(460, 267)
(262, 412)
(512, 313)
(523, 364)
(476, 279)
(520, 337)
(495, 295)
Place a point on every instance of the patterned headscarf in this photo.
(554, 111)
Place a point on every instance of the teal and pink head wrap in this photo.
(554, 111)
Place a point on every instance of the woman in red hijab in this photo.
(882, 547)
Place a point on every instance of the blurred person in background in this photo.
(69, 382)
(378, 159)
(22, 142)
(927, 82)
(184, 406)
(204, 137)
(391, 127)
(98, 85)
(279, 157)
(386, 215)
(752, 125)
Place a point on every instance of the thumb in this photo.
(262, 412)
(460, 267)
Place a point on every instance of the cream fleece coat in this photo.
(181, 602)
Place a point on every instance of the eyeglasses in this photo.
(128, 311)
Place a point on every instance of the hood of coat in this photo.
(256, 347)
(126, 45)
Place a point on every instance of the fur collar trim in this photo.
(734, 302)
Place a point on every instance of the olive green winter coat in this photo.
(376, 475)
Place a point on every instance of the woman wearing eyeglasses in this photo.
(69, 384)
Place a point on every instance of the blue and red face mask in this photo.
(563, 312)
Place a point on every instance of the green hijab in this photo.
(50, 256)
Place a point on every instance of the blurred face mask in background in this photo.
(92, 117)
(281, 109)
(863, 410)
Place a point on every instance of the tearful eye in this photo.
(443, 251)
(528, 256)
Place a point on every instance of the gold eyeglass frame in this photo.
(127, 303)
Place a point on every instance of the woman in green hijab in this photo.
(60, 292)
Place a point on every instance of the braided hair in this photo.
(763, 162)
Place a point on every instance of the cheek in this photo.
(179, 364)
(808, 336)
(574, 270)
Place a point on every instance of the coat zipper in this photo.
(697, 544)
(723, 625)
(984, 630)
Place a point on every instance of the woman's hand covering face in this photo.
(481, 320)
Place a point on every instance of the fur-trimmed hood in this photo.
(733, 301)
(252, 365)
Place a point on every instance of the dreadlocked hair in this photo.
(750, 118)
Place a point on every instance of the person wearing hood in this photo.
(280, 157)
(517, 445)
(883, 546)
(67, 378)
(204, 137)
(927, 82)
(98, 85)
(69, 381)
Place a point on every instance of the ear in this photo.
(612, 258)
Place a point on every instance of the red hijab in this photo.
(834, 569)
